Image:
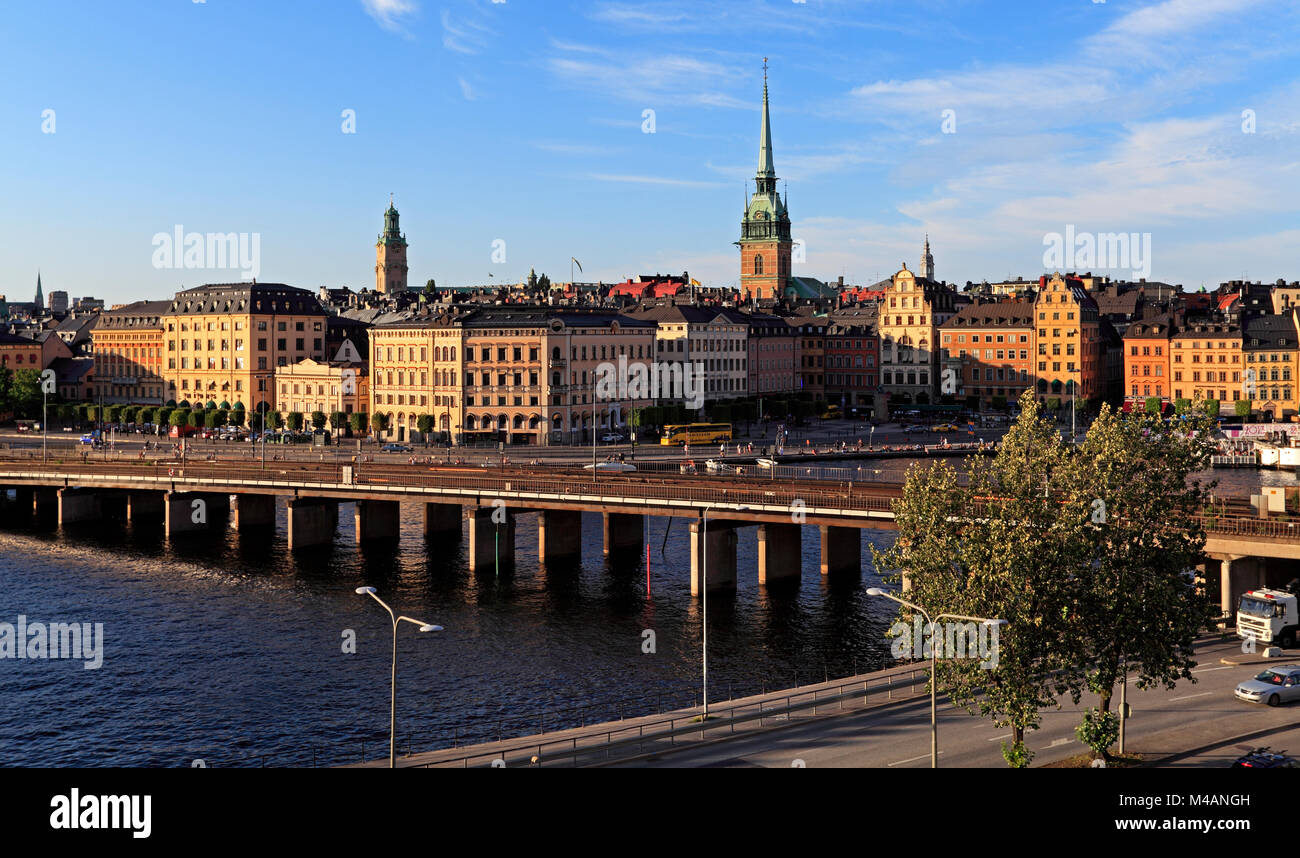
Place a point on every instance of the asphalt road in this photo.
(1164, 722)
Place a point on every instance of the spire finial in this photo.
(764, 71)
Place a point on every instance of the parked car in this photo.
(908, 430)
(611, 438)
(395, 448)
(1275, 686)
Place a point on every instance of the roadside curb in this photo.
(1182, 755)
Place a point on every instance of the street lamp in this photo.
(392, 711)
(934, 661)
(704, 575)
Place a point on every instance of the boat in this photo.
(1268, 454)
(767, 463)
(615, 467)
(1288, 457)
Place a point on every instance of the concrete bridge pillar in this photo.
(191, 512)
(442, 520)
(254, 511)
(713, 554)
(491, 543)
(312, 522)
(79, 505)
(377, 519)
(841, 550)
(559, 535)
(623, 532)
(145, 505)
(780, 552)
(45, 502)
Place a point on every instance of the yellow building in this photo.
(1208, 364)
(224, 342)
(1270, 374)
(1071, 353)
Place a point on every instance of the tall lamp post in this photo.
(392, 710)
(704, 575)
(934, 661)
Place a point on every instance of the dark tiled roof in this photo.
(245, 298)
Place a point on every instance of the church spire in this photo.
(40, 294)
(766, 168)
(927, 260)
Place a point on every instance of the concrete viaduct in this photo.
(1248, 548)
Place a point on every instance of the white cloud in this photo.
(652, 180)
(464, 36)
(466, 90)
(389, 13)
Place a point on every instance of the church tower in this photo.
(927, 261)
(765, 244)
(40, 294)
(390, 255)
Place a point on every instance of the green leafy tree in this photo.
(1242, 408)
(1211, 407)
(162, 417)
(211, 419)
(995, 548)
(26, 393)
(67, 413)
(425, 423)
(238, 417)
(380, 422)
(318, 420)
(1099, 731)
(274, 419)
(179, 417)
(359, 421)
(295, 421)
(1136, 607)
(1182, 406)
(1153, 405)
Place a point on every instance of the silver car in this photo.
(1274, 686)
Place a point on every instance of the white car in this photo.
(616, 467)
(1274, 686)
(611, 438)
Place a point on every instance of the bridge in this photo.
(188, 496)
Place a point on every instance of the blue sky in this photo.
(523, 122)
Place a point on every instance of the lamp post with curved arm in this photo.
(934, 661)
(392, 710)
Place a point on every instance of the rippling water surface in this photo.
(229, 649)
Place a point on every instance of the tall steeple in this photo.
(765, 244)
(927, 261)
(766, 167)
(40, 294)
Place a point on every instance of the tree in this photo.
(274, 419)
(1135, 609)
(25, 393)
(425, 424)
(163, 416)
(129, 413)
(318, 420)
(339, 421)
(144, 415)
(295, 421)
(115, 413)
(995, 548)
(211, 419)
(180, 417)
(1242, 408)
(358, 421)
(1211, 407)
(66, 413)
(1182, 406)
(238, 417)
(380, 422)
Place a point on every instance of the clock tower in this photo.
(765, 244)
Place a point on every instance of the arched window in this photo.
(758, 263)
(471, 422)
(555, 353)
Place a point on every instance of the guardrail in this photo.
(688, 723)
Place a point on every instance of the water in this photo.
(230, 650)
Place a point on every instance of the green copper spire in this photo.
(392, 233)
(766, 168)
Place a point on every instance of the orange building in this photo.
(128, 348)
(1207, 363)
(989, 347)
(1148, 361)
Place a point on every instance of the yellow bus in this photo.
(695, 433)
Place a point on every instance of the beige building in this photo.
(324, 386)
(911, 312)
(513, 374)
(224, 342)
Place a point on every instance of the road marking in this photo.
(1056, 743)
(999, 738)
(1210, 669)
(1190, 696)
(913, 759)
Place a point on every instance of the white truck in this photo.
(1268, 617)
